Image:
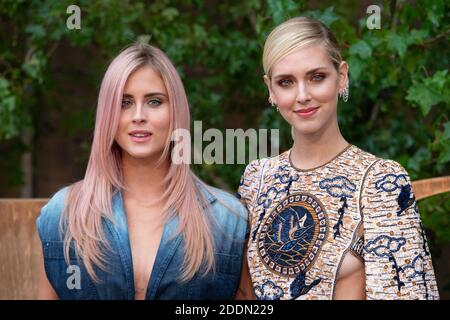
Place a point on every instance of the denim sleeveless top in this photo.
(117, 282)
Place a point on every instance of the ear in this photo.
(343, 75)
(268, 85)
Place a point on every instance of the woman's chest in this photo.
(302, 227)
(145, 230)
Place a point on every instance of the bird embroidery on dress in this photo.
(292, 231)
(299, 286)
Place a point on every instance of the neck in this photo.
(143, 179)
(313, 150)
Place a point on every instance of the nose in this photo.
(303, 95)
(139, 114)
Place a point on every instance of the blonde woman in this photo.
(139, 226)
(328, 220)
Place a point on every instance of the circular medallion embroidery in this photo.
(292, 235)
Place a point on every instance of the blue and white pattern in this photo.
(391, 182)
(338, 187)
(292, 234)
(268, 291)
(384, 246)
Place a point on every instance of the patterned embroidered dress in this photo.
(303, 222)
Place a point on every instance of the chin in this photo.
(143, 154)
(307, 128)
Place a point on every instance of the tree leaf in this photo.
(444, 155)
(356, 67)
(429, 91)
(362, 49)
(446, 135)
(35, 30)
(396, 43)
(326, 16)
(416, 36)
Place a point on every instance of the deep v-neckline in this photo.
(166, 249)
(143, 255)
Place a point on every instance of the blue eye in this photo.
(126, 103)
(284, 82)
(154, 102)
(318, 77)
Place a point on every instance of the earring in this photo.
(273, 104)
(344, 93)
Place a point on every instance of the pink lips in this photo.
(140, 136)
(307, 112)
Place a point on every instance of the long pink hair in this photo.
(89, 200)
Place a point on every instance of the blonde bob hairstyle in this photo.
(297, 33)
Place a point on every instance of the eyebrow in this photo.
(307, 73)
(147, 95)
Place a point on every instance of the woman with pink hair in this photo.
(139, 226)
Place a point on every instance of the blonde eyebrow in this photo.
(307, 73)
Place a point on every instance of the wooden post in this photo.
(19, 248)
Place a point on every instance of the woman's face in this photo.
(305, 86)
(145, 118)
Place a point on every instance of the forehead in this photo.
(145, 79)
(302, 60)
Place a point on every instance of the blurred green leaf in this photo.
(362, 49)
(396, 43)
(444, 155)
(429, 91)
(446, 135)
(416, 36)
(326, 16)
(36, 31)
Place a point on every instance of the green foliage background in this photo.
(399, 80)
